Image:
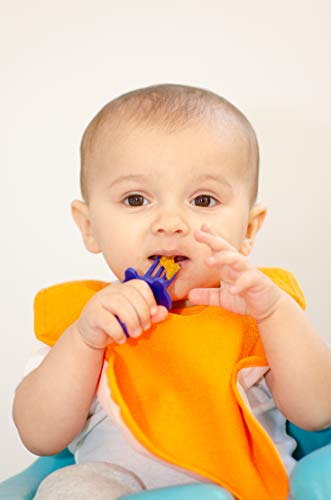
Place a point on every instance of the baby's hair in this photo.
(173, 107)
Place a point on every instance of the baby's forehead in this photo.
(123, 117)
(147, 156)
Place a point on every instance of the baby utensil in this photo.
(159, 276)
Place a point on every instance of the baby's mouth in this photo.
(177, 258)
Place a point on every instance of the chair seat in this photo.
(310, 480)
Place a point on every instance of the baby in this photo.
(200, 392)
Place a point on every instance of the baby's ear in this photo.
(80, 213)
(255, 221)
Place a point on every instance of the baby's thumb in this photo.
(160, 315)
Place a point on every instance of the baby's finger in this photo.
(146, 292)
(139, 300)
(247, 280)
(120, 306)
(205, 296)
(206, 228)
(108, 323)
(160, 315)
(228, 258)
(215, 243)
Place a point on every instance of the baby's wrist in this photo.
(273, 310)
(87, 342)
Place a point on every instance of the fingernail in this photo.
(137, 332)
(147, 327)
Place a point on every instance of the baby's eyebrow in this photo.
(130, 177)
(141, 177)
(216, 178)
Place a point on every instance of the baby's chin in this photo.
(180, 304)
(179, 296)
(179, 291)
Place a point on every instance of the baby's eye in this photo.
(204, 200)
(135, 200)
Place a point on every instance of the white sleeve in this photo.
(39, 352)
(268, 415)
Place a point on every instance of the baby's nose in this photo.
(170, 225)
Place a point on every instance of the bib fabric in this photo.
(179, 389)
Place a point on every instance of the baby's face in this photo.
(152, 189)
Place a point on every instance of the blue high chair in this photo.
(311, 479)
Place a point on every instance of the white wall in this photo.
(61, 61)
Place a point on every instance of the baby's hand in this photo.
(133, 302)
(243, 288)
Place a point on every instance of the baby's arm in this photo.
(51, 404)
(300, 362)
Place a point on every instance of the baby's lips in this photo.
(176, 258)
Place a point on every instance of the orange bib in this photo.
(177, 388)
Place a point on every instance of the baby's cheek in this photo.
(207, 278)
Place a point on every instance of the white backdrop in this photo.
(61, 61)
